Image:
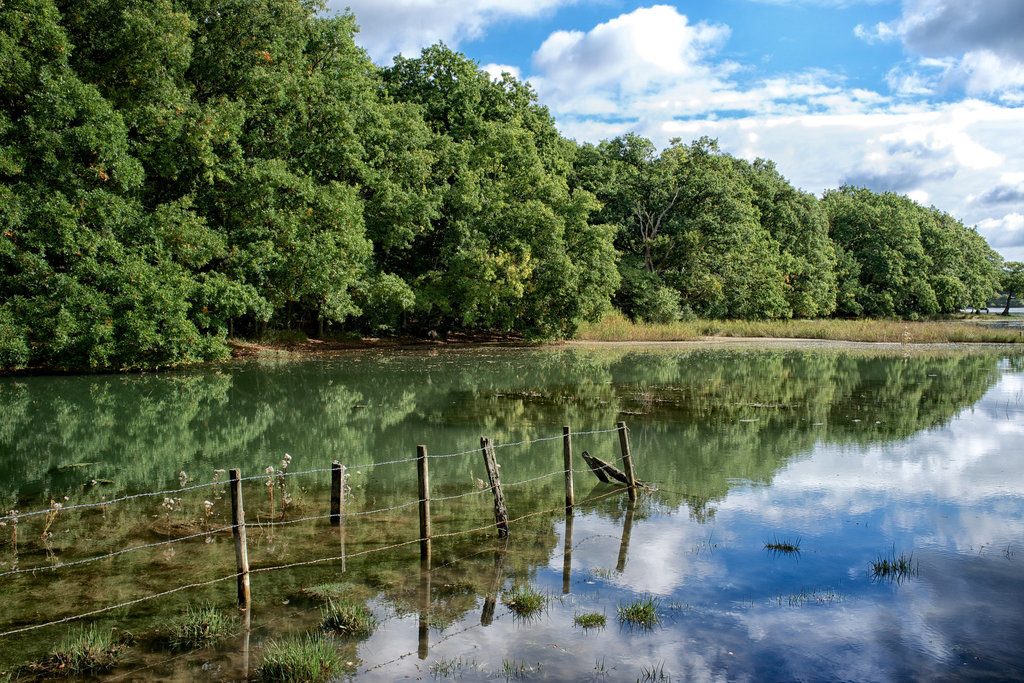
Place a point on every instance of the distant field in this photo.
(980, 329)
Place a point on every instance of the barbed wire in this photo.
(64, 565)
(272, 475)
(292, 565)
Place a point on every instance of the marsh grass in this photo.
(199, 626)
(84, 651)
(589, 620)
(525, 601)
(816, 596)
(617, 327)
(309, 658)
(640, 613)
(785, 547)
(511, 669)
(894, 567)
(347, 618)
(655, 674)
(329, 591)
(452, 668)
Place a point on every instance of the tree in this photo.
(1013, 282)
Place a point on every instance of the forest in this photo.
(177, 172)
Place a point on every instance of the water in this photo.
(849, 455)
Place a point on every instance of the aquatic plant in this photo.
(655, 674)
(524, 601)
(199, 626)
(589, 620)
(347, 618)
(306, 659)
(325, 591)
(84, 651)
(784, 547)
(640, 613)
(894, 567)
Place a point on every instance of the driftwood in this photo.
(604, 470)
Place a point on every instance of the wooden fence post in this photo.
(424, 492)
(570, 495)
(241, 548)
(500, 511)
(337, 491)
(627, 460)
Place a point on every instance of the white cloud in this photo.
(390, 27)
(496, 70)
(1006, 231)
(972, 47)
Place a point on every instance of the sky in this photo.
(920, 97)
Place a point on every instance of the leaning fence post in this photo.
(241, 548)
(570, 496)
(424, 493)
(500, 511)
(627, 460)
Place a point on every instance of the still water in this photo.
(843, 457)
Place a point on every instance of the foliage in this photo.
(199, 626)
(309, 658)
(347, 618)
(81, 652)
(174, 173)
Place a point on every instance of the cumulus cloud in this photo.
(1005, 231)
(971, 46)
(1009, 191)
(390, 27)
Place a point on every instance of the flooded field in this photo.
(812, 514)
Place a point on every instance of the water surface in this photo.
(851, 456)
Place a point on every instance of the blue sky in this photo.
(920, 97)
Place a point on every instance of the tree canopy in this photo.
(177, 171)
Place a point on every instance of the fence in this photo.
(338, 515)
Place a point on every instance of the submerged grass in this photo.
(590, 620)
(785, 547)
(309, 658)
(525, 601)
(84, 651)
(617, 327)
(329, 591)
(199, 626)
(894, 567)
(640, 613)
(347, 618)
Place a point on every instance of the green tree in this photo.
(512, 247)
(1013, 282)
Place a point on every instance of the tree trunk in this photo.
(1009, 297)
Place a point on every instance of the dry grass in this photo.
(617, 327)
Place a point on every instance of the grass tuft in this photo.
(525, 601)
(589, 620)
(640, 613)
(329, 591)
(347, 618)
(306, 659)
(82, 652)
(199, 626)
(656, 674)
(894, 567)
(783, 546)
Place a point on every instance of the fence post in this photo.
(424, 492)
(337, 491)
(500, 511)
(627, 460)
(241, 548)
(570, 495)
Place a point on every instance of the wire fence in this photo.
(334, 516)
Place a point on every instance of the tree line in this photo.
(177, 171)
